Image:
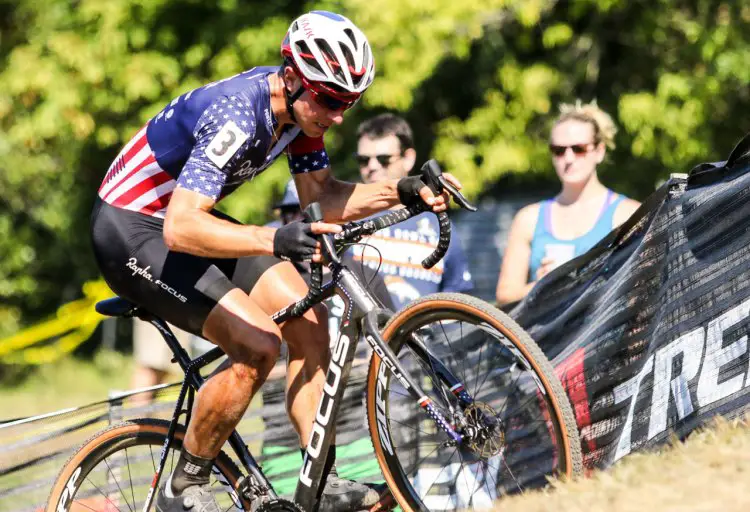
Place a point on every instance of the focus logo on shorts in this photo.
(137, 270)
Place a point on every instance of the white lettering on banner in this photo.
(690, 347)
(709, 389)
(705, 365)
(315, 444)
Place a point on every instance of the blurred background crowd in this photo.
(557, 117)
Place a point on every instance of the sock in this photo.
(190, 470)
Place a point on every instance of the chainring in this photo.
(278, 505)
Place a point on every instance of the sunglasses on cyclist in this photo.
(578, 149)
(329, 102)
(384, 160)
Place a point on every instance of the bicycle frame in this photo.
(363, 318)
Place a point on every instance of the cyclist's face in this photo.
(573, 151)
(313, 117)
(381, 159)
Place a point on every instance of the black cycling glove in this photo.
(408, 190)
(294, 242)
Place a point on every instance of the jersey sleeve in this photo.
(456, 274)
(307, 154)
(225, 130)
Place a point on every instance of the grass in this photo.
(69, 382)
(709, 472)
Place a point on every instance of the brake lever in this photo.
(458, 197)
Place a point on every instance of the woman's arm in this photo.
(624, 210)
(512, 284)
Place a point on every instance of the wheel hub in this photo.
(483, 432)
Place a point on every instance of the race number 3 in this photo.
(225, 144)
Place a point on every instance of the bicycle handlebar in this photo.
(354, 231)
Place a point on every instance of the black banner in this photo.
(649, 329)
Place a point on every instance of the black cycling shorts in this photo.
(180, 288)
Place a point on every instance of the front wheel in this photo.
(492, 383)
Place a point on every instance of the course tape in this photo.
(74, 323)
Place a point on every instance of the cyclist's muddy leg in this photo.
(251, 340)
(307, 340)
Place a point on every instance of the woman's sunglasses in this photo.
(578, 149)
(384, 160)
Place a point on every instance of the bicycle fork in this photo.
(390, 364)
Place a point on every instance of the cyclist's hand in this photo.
(296, 241)
(412, 190)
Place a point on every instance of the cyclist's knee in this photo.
(256, 349)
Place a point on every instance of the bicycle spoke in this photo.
(109, 468)
(479, 365)
(487, 475)
(450, 345)
(500, 412)
(437, 477)
(512, 476)
(415, 429)
(130, 476)
(153, 464)
(103, 496)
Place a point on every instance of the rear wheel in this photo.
(113, 471)
(519, 429)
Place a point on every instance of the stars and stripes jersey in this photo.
(209, 140)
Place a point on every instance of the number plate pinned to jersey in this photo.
(225, 144)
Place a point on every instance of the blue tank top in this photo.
(544, 243)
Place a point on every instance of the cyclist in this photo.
(385, 151)
(160, 243)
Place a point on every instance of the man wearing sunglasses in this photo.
(385, 151)
(160, 243)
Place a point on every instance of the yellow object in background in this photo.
(73, 324)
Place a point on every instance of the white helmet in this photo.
(331, 54)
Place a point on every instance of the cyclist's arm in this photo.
(190, 228)
(343, 201)
(512, 284)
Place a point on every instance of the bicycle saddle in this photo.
(117, 306)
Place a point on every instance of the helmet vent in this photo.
(350, 33)
(356, 73)
(331, 60)
(295, 26)
(307, 56)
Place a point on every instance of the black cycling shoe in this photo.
(196, 498)
(342, 495)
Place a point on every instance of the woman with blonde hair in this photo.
(546, 234)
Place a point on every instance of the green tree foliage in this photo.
(479, 81)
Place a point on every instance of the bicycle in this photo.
(486, 414)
